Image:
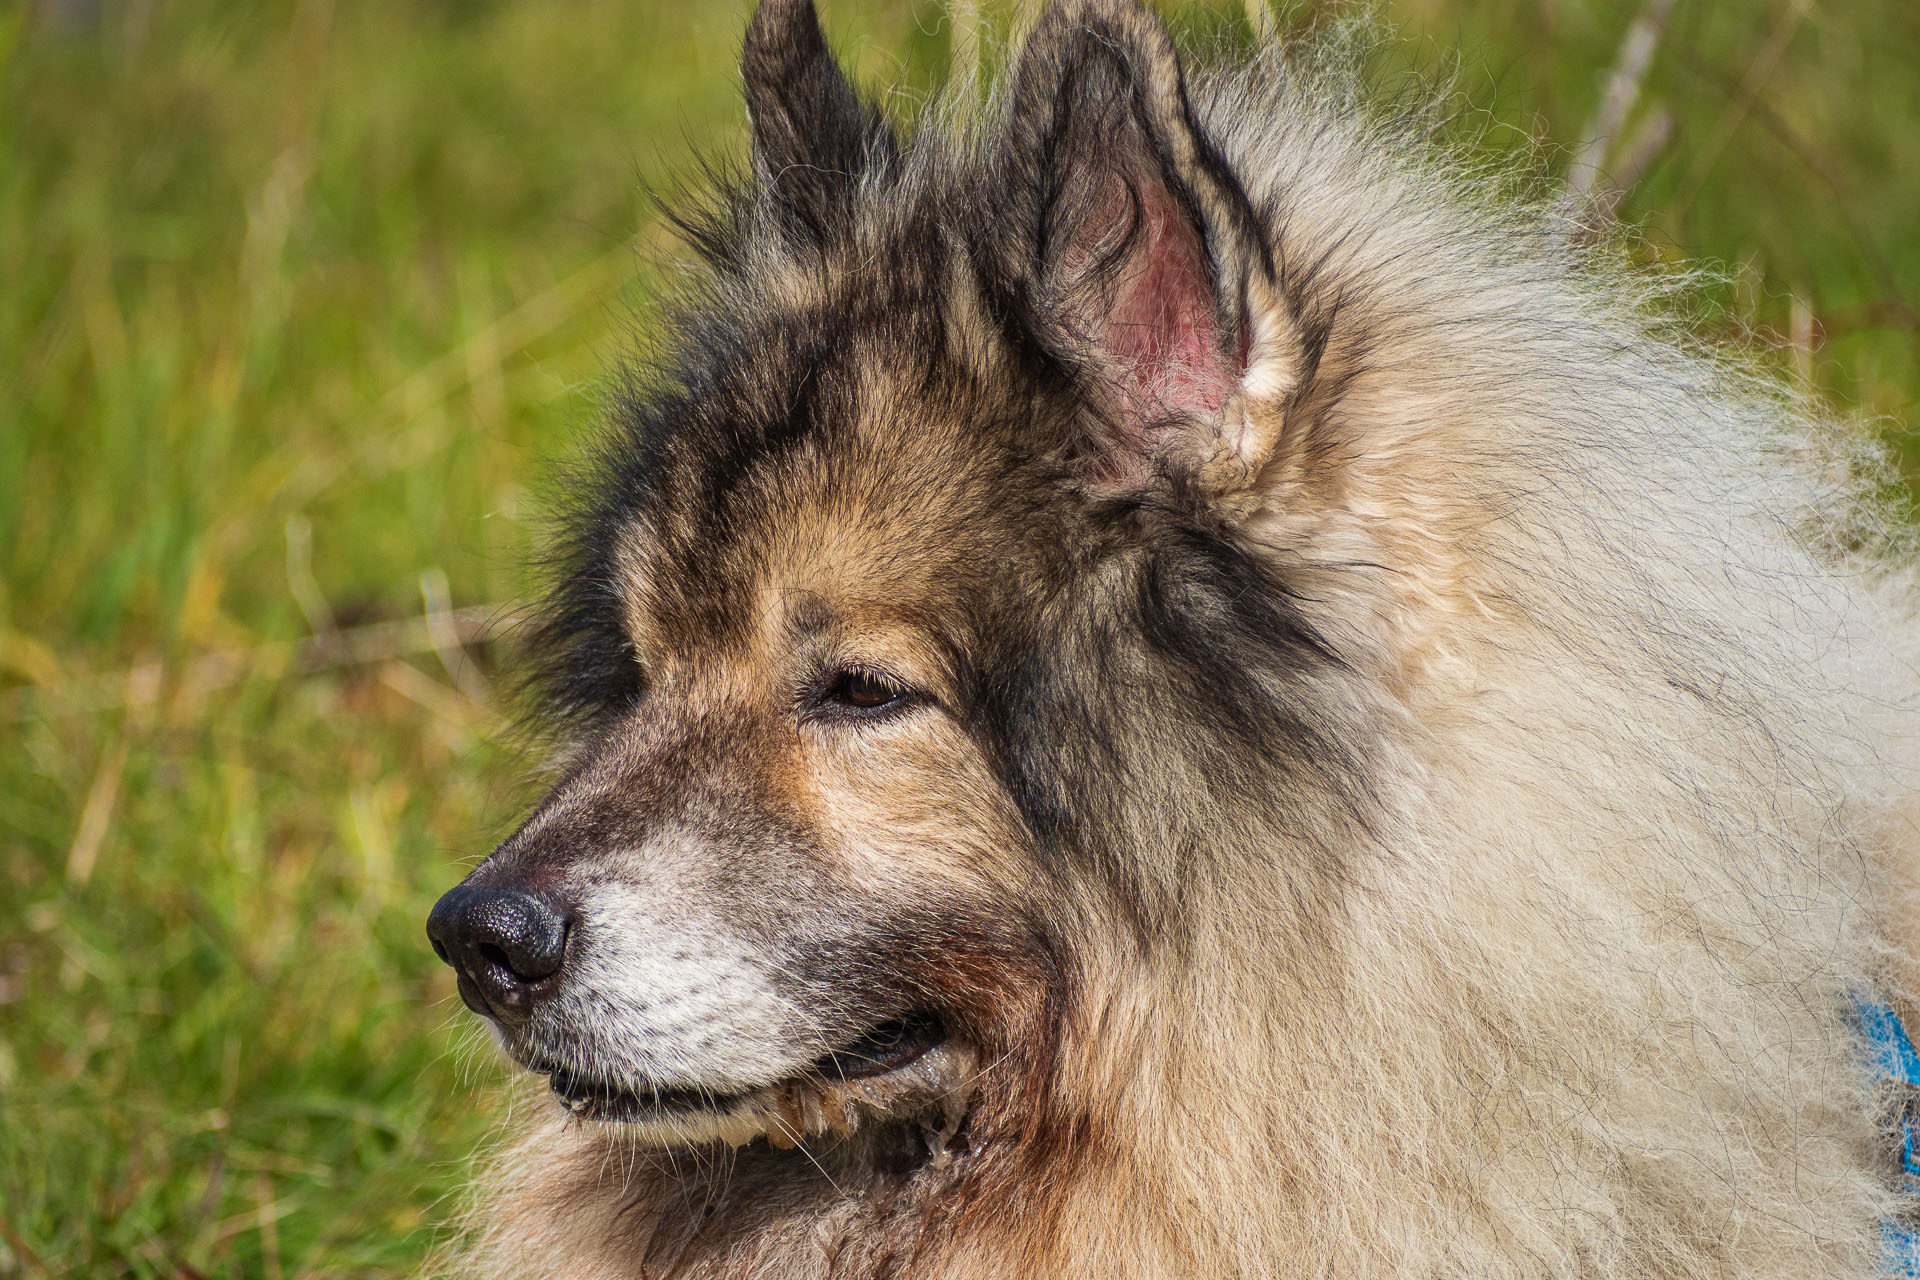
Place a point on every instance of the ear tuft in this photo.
(813, 139)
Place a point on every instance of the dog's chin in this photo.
(901, 1069)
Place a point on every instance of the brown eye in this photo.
(854, 694)
(863, 691)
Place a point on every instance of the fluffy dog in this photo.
(1153, 684)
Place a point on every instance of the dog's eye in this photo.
(863, 691)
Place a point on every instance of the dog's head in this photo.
(911, 669)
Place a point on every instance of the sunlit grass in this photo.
(293, 300)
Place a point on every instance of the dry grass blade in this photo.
(1623, 86)
(355, 646)
(143, 685)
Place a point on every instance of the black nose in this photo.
(506, 947)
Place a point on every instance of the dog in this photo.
(1153, 683)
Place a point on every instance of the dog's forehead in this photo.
(844, 471)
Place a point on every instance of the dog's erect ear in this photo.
(1143, 249)
(812, 136)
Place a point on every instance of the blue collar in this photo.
(1891, 1056)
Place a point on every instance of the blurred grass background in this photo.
(295, 298)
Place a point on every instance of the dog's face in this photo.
(785, 851)
(904, 643)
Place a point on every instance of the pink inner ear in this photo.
(1163, 330)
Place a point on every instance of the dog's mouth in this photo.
(892, 1066)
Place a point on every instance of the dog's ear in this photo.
(813, 139)
(1143, 249)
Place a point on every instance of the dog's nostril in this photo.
(505, 944)
(517, 931)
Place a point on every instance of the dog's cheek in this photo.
(925, 878)
(911, 813)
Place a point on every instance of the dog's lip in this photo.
(603, 1100)
(882, 1050)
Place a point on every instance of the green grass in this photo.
(293, 302)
